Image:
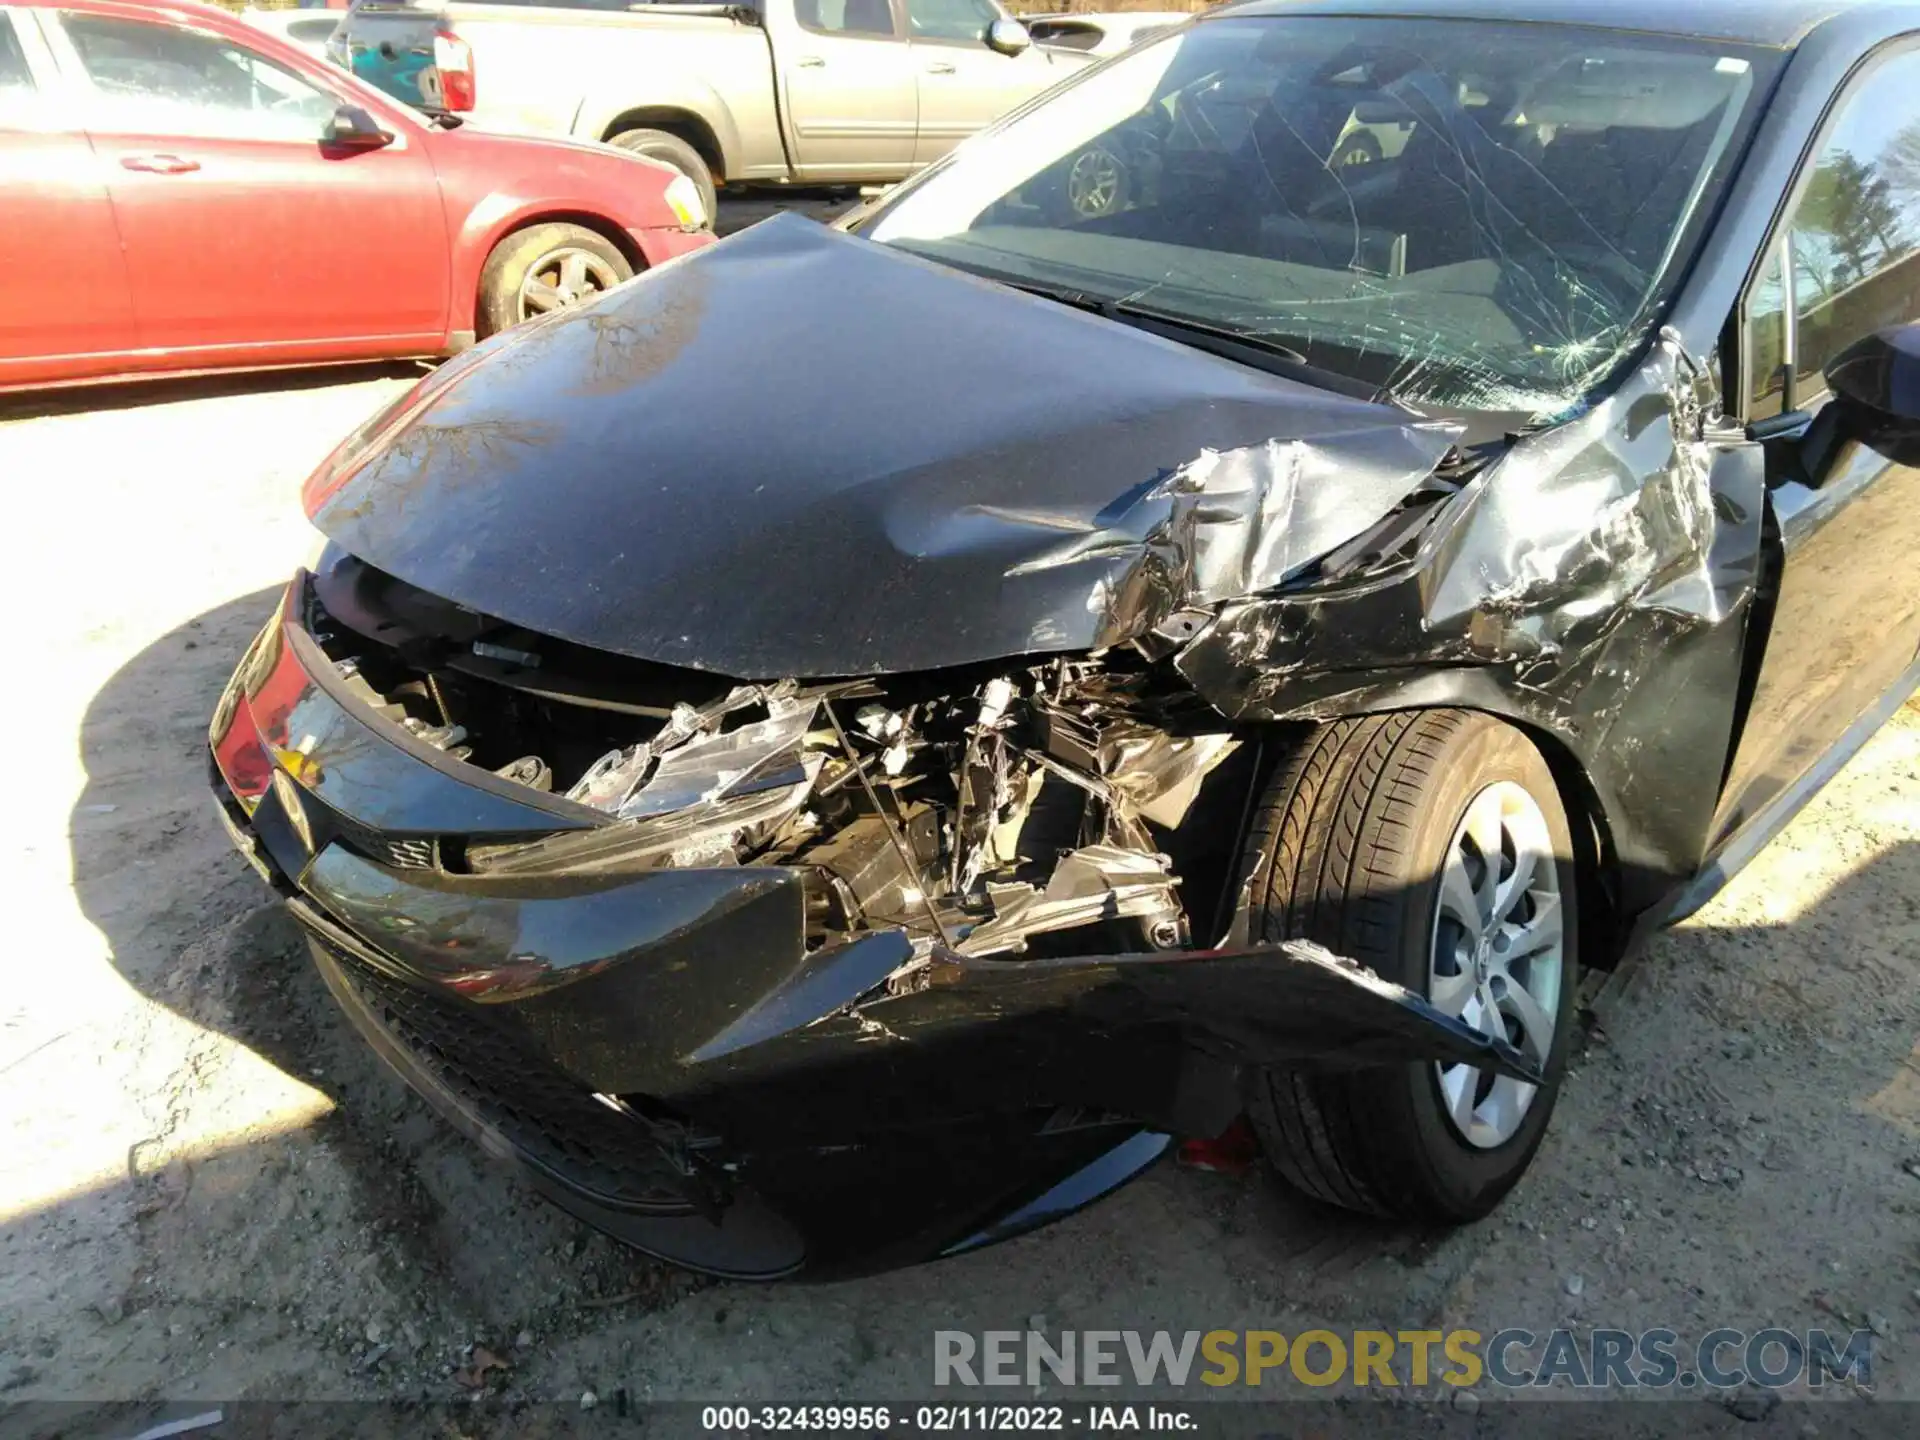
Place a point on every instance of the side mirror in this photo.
(1881, 373)
(1009, 37)
(351, 128)
(1876, 389)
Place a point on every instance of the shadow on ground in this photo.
(165, 389)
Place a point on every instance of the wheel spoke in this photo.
(573, 272)
(541, 297)
(1509, 892)
(1483, 828)
(1449, 994)
(1457, 1086)
(1457, 896)
(1534, 1021)
(1505, 1105)
(1540, 933)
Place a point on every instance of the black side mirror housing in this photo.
(1876, 389)
(1881, 372)
(351, 128)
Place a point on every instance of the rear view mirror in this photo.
(351, 128)
(1009, 37)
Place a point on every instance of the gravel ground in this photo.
(209, 1189)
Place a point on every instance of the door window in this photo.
(845, 17)
(1070, 34)
(15, 78)
(1855, 239)
(965, 20)
(169, 80)
(1767, 341)
(21, 104)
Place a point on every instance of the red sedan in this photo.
(182, 192)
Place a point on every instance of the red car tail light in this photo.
(453, 58)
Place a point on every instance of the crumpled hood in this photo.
(801, 453)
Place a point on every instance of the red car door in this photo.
(64, 307)
(247, 238)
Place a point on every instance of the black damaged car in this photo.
(832, 754)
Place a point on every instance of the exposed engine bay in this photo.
(999, 812)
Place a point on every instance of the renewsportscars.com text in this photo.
(1513, 1358)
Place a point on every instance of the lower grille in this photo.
(552, 1121)
(417, 852)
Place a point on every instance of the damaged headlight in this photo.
(690, 796)
(709, 833)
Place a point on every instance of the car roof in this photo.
(1779, 23)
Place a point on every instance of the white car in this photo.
(1101, 33)
(308, 29)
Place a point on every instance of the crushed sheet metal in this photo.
(1098, 479)
(1155, 775)
(1567, 568)
(1235, 522)
(1290, 1003)
(1095, 882)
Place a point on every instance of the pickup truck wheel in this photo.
(1432, 847)
(545, 268)
(672, 150)
(1357, 148)
(1095, 185)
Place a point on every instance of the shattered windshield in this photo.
(1467, 215)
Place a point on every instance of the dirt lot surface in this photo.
(208, 1188)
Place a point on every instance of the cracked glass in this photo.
(1466, 216)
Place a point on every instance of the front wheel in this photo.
(1432, 847)
(545, 268)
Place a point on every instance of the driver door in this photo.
(246, 240)
(1845, 622)
(964, 84)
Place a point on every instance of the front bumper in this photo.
(664, 1057)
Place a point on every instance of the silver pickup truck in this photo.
(819, 92)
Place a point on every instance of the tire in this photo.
(672, 150)
(562, 252)
(1348, 849)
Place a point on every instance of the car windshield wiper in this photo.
(1259, 351)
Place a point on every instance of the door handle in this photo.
(810, 62)
(940, 67)
(159, 164)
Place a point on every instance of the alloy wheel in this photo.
(1498, 956)
(1093, 185)
(561, 278)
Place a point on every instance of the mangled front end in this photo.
(703, 952)
(830, 862)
